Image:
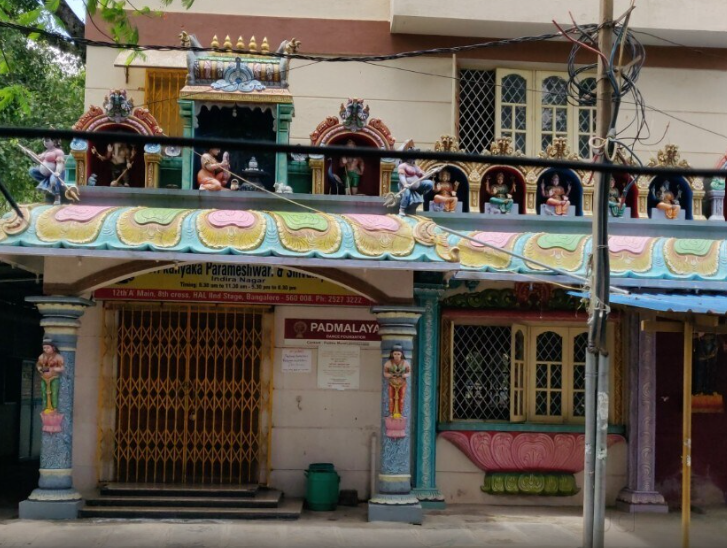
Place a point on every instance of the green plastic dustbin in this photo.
(322, 483)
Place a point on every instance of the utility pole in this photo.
(597, 359)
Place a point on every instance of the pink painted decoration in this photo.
(395, 428)
(498, 239)
(79, 213)
(222, 218)
(375, 222)
(524, 451)
(633, 244)
(51, 422)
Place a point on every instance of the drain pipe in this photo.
(373, 466)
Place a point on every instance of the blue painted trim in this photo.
(520, 427)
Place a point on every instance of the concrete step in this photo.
(177, 490)
(262, 499)
(287, 510)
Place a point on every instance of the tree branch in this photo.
(73, 24)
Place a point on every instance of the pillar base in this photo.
(44, 509)
(400, 513)
(430, 499)
(637, 502)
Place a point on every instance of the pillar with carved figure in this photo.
(425, 486)
(394, 500)
(55, 497)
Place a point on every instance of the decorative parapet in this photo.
(529, 483)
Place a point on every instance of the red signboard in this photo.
(300, 330)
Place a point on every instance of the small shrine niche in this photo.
(235, 95)
(559, 192)
(502, 188)
(350, 174)
(670, 198)
(453, 177)
(620, 206)
(100, 162)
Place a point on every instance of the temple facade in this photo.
(223, 318)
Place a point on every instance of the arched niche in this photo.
(511, 174)
(353, 123)
(118, 114)
(458, 175)
(567, 177)
(632, 194)
(679, 187)
(692, 189)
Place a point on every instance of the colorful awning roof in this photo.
(378, 239)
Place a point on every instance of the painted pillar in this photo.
(186, 113)
(394, 500)
(285, 117)
(425, 486)
(55, 497)
(640, 494)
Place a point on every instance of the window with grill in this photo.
(161, 94)
(513, 373)
(530, 107)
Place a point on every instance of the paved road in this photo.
(457, 526)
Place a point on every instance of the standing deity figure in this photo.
(214, 174)
(445, 197)
(500, 192)
(396, 371)
(52, 163)
(51, 366)
(668, 203)
(555, 195)
(354, 169)
(121, 158)
(616, 204)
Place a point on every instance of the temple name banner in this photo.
(339, 366)
(231, 283)
(297, 360)
(307, 332)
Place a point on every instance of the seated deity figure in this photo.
(214, 174)
(616, 204)
(500, 192)
(354, 169)
(445, 197)
(121, 158)
(668, 203)
(555, 195)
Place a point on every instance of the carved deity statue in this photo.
(354, 168)
(555, 195)
(51, 366)
(668, 202)
(49, 171)
(214, 175)
(500, 192)
(616, 199)
(445, 197)
(396, 372)
(121, 158)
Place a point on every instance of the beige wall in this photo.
(327, 425)
(362, 10)
(459, 480)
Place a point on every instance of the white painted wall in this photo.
(459, 480)
(329, 425)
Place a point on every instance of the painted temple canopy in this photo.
(368, 237)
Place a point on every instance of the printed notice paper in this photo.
(339, 366)
(297, 360)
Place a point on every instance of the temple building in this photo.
(221, 320)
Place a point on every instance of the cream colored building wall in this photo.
(85, 401)
(361, 10)
(333, 426)
(459, 480)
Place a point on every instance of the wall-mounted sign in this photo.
(339, 366)
(231, 283)
(297, 360)
(305, 332)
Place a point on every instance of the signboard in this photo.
(339, 366)
(297, 360)
(231, 283)
(304, 332)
